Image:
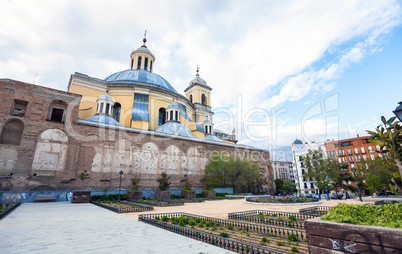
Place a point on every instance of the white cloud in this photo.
(267, 51)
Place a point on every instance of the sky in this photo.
(280, 70)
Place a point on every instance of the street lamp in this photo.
(357, 184)
(121, 174)
(185, 180)
(398, 111)
(273, 191)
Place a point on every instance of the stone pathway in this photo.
(62, 227)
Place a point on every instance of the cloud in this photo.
(269, 52)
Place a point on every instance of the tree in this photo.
(319, 169)
(135, 182)
(164, 182)
(377, 173)
(389, 137)
(223, 170)
(278, 184)
(289, 187)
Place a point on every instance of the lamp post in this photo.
(185, 181)
(357, 184)
(398, 111)
(121, 174)
(273, 191)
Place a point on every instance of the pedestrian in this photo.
(326, 191)
(319, 193)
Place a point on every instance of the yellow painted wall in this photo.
(199, 134)
(140, 125)
(88, 100)
(126, 101)
(225, 141)
(154, 104)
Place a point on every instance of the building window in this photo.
(372, 156)
(349, 151)
(305, 185)
(357, 158)
(370, 148)
(363, 151)
(132, 63)
(107, 108)
(191, 98)
(19, 108)
(12, 132)
(203, 99)
(176, 113)
(139, 63)
(101, 108)
(351, 159)
(171, 115)
(312, 185)
(162, 116)
(56, 111)
(356, 150)
(116, 111)
(344, 160)
(150, 66)
(339, 160)
(364, 157)
(146, 64)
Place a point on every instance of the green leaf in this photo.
(391, 120)
(375, 141)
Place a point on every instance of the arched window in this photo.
(12, 132)
(203, 99)
(191, 98)
(162, 116)
(139, 63)
(116, 111)
(57, 111)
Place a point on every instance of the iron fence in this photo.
(124, 209)
(219, 241)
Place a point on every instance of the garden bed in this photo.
(6, 208)
(315, 210)
(159, 203)
(120, 207)
(270, 214)
(261, 236)
(282, 201)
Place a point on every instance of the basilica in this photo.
(131, 123)
(138, 98)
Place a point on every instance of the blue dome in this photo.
(175, 128)
(207, 121)
(141, 76)
(106, 97)
(173, 105)
(297, 142)
(212, 138)
(103, 119)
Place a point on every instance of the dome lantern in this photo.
(142, 58)
(173, 113)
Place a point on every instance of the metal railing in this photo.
(11, 207)
(274, 222)
(161, 203)
(240, 215)
(249, 227)
(124, 209)
(219, 241)
(315, 210)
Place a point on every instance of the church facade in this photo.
(133, 121)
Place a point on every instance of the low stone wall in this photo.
(332, 237)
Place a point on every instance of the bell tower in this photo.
(199, 93)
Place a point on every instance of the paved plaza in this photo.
(62, 227)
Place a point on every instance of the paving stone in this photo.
(62, 227)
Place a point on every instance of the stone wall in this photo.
(51, 154)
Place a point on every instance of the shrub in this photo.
(280, 244)
(218, 224)
(157, 218)
(230, 227)
(292, 237)
(210, 223)
(274, 215)
(164, 182)
(165, 218)
(264, 240)
(294, 250)
(192, 222)
(182, 224)
(213, 228)
(279, 218)
(198, 220)
(382, 215)
(224, 234)
(201, 225)
(292, 218)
